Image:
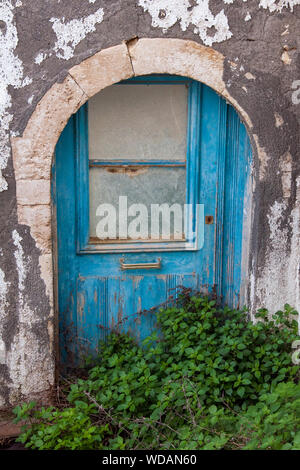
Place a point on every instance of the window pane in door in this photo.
(144, 186)
(138, 122)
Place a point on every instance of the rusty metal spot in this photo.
(209, 219)
(127, 170)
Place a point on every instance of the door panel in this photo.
(94, 293)
(102, 301)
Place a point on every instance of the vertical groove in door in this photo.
(102, 289)
(172, 287)
(231, 198)
(218, 252)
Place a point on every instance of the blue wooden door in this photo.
(156, 140)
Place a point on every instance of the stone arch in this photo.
(33, 151)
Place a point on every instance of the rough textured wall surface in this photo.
(39, 43)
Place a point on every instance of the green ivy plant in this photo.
(274, 423)
(203, 380)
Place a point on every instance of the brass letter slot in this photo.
(156, 265)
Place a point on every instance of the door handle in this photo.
(124, 266)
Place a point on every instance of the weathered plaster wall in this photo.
(40, 42)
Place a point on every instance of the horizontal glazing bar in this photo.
(147, 163)
(98, 241)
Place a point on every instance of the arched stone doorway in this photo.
(33, 152)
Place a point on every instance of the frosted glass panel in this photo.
(138, 122)
(144, 186)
